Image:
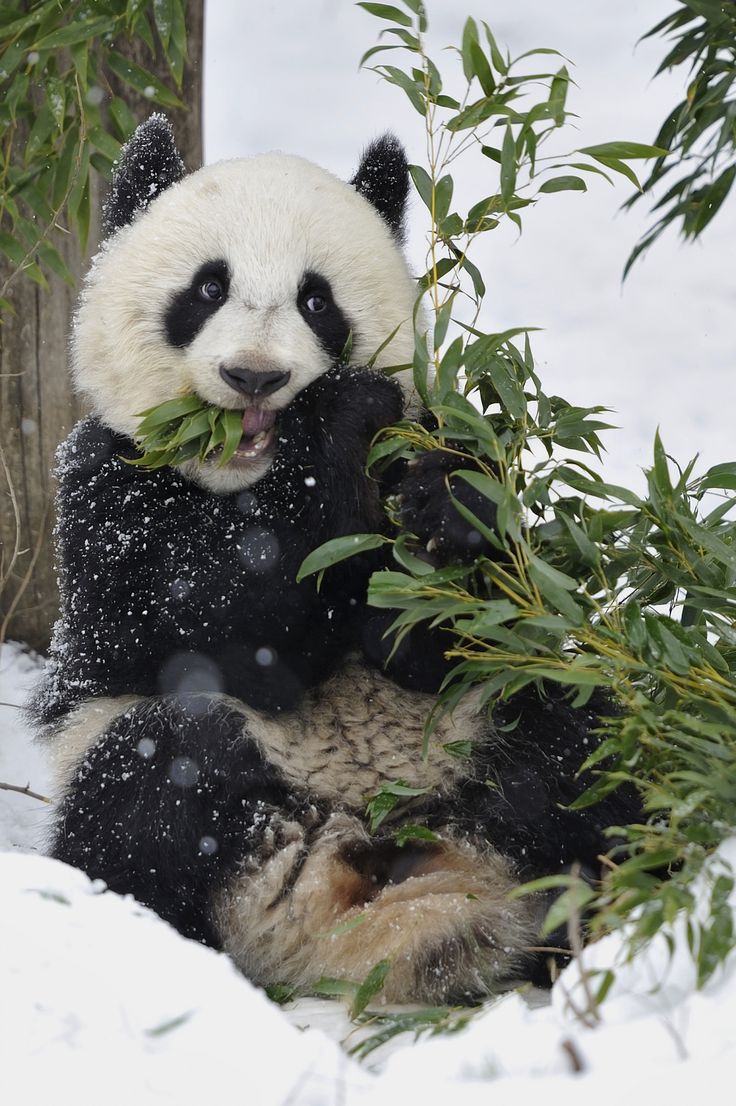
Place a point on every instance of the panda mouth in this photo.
(259, 431)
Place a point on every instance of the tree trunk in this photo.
(37, 404)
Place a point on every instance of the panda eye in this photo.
(315, 304)
(211, 290)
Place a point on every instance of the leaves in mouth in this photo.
(185, 428)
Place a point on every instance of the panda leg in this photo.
(166, 801)
(338, 903)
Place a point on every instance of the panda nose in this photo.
(255, 385)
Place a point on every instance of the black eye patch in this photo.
(190, 309)
(321, 313)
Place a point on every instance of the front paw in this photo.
(349, 406)
(426, 508)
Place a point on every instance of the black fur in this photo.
(167, 587)
(169, 803)
(426, 508)
(383, 178)
(189, 310)
(329, 325)
(149, 163)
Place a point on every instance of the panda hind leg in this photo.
(165, 801)
(338, 904)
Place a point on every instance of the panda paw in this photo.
(438, 913)
(348, 407)
(426, 509)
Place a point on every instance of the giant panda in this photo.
(215, 726)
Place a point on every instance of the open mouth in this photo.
(259, 432)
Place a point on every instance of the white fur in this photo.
(272, 218)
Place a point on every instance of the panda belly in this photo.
(360, 730)
(247, 833)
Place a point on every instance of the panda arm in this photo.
(526, 777)
(422, 492)
(425, 495)
(153, 567)
(106, 548)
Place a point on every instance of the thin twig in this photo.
(5, 573)
(26, 791)
(26, 578)
(576, 947)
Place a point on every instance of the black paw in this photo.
(426, 508)
(350, 405)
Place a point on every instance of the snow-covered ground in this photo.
(103, 1002)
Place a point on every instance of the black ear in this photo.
(383, 178)
(149, 163)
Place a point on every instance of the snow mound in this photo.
(118, 1006)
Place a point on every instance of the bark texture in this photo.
(37, 404)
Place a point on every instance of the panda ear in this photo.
(149, 162)
(383, 178)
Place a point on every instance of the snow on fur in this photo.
(100, 997)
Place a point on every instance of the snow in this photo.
(103, 999)
(22, 819)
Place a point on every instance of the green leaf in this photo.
(461, 750)
(387, 11)
(336, 550)
(171, 410)
(720, 476)
(66, 168)
(408, 560)
(56, 99)
(422, 183)
(163, 15)
(558, 95)
(142, 81)
(12, 248)
(569, 905)
(470, 36)
(338, 931)
(618, 166)
(408, 833)
(508, 165)
(371, 986)
(105, 143)
(233, 427)
(79, 31)
(563, 184)
(168, 1026)
(623, 150)
(51, 258)
(496, 57)
(40, 133)
(333, 988)
(122, 117)
(482, 69)
(443, 197)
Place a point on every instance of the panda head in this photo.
(242, 283)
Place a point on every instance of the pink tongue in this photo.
(255, 419)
